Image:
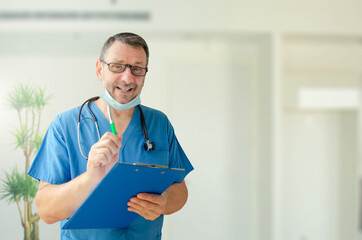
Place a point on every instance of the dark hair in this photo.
(128, 38)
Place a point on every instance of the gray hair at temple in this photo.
(128, 38)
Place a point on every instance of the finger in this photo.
(154, 198)
(104, 155)
(110, 141)
(100, 156)
(145, 205)
(108, 144)
(105, 152)
(97, 159)
(146, 213)
(117, 139)
(141, 213)
(115, 159)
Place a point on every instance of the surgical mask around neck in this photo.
(105, 96)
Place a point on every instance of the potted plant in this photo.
(17, 186)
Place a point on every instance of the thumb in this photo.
(115, 157)
(120, 137)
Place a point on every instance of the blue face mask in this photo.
(105, 96)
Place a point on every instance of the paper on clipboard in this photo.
(106, 206)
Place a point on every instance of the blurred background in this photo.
(265, 98)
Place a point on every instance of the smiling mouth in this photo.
(125, 89)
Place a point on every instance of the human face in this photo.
(123, 86)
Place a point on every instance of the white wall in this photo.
(321, 16)
(318, 168)
(319, 175)
(218, 76)
(239, 80)
(217, 136)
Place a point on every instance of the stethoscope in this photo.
(147, 145)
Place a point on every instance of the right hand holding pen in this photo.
(103, 155)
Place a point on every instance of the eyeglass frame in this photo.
(125, 66)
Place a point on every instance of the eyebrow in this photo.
(122, 62)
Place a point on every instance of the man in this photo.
(67, 177)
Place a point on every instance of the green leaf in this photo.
(16, 186)
(22, 135)
(26, 96)
(21, 97)
(39, 98)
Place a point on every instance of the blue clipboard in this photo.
(106, 206)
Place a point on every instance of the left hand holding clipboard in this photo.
(150, 206)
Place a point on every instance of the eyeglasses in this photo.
(118, 68)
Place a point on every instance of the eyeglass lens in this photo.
(116, 67)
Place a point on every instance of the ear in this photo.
(99, 69)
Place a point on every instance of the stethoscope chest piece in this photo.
(149, 145)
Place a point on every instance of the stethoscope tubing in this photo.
(94, 119)
(147, 145)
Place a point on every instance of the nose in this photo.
(127, 76)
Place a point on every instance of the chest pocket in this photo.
(157, 157)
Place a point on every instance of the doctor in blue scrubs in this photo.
(72, 160)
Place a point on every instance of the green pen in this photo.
(113, 126)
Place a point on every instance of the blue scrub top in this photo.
(59, 159)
